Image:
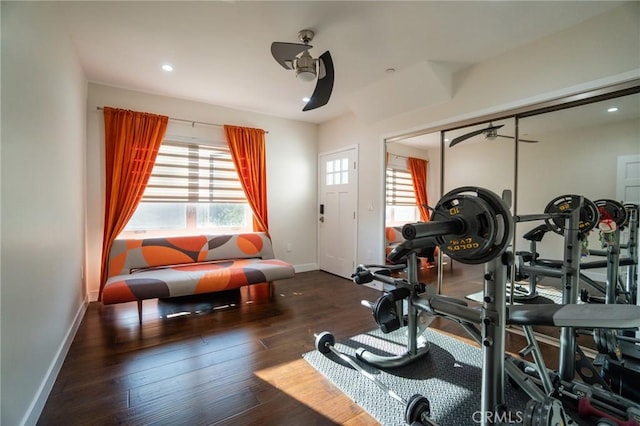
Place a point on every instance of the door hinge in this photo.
(354, 215)
(354, 165)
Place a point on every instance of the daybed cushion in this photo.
(172, 281)
(176, 266)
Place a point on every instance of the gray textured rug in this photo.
(449, 376)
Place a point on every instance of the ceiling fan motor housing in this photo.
(306, 67)
(491, 134)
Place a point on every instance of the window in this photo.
(400, 198)
(337, 172)
(193, 188)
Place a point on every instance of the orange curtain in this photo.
(132, 140)
(418, 169)
(248, 153)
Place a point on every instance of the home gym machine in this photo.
(473, 225)
(605, 214)
(611, 391)
(529, 265)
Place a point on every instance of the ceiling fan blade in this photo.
(519, 140)
(324, 86)
(462, 138)
(285, 53)
(459, 139)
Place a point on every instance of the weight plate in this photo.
(547, 412)
(565, 204)
(417, 406)
(323, 341)
(386, 314)
(478, 233)
(487, 229)
(612, 210)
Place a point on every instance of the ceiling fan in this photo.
(490, 133)
(295, 56)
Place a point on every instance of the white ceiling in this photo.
(221, 49)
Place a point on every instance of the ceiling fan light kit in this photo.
(306, 67)
(296, 56)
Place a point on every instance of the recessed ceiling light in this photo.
(306, 99)
(612, 109)
(167, 67)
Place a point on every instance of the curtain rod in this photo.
(193, 122)
(404, 156)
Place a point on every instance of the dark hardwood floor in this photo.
(228, 358)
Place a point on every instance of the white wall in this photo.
(43, 135)
(601, 51)
(291, 150)
(480, 162)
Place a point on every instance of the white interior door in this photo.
(628, 181)
(628, 190)
(337, 211)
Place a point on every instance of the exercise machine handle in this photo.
(362, 276)
(412, 231)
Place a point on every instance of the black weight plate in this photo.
(323, 341)
(479, 231)
(504, 220)
(416, 407)
(565, 204)
(487, 220)
(386, 314)
(613, 210)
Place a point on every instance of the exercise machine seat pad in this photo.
(537, 233)
(585, 316)
(550, 263)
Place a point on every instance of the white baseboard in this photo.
(306, 267)
(40, 399)
(93, 296)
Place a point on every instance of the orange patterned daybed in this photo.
(152, 268)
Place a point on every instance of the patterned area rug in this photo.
(449, 376)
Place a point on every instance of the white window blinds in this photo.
(399, 188)
(193, 173)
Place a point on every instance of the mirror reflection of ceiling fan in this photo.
(295, 56)
(490, 133)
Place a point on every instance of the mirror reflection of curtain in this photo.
(418, 169)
